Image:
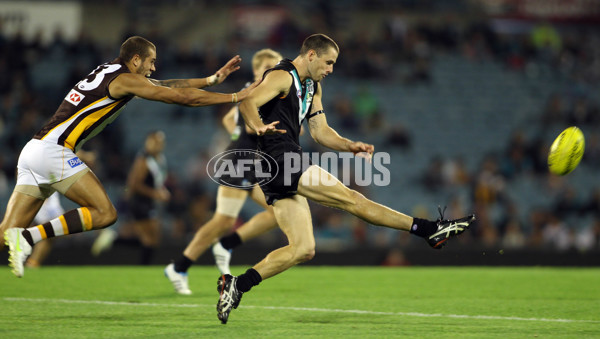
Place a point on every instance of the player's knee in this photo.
(305, 253)
(111, 214)
(106, 216)
(224, 221)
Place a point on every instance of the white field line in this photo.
(304, 309)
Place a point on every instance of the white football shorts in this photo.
(49, 167)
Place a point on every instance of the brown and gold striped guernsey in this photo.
(87, 109)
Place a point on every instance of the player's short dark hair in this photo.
(320, 43)
(135, 45)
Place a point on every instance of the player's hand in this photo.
(362, 149)
(230, 67)
(270, 129)
(162, 195)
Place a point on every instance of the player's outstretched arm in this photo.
(138, 85)
(274, 84)
(231, 66)
(323, 134)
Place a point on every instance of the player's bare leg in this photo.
(20, 211)
(89, 192)
(217, 226)
(294, 219)
(261, 222)
(229, 203)
(39, 253)
(321, 187)
(148, 232)
(97, 211)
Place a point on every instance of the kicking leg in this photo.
(320, 186)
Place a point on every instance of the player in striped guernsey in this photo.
(48, 162)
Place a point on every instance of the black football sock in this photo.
(146, 255)
(423, 228)
(248, 280)
(183, 264)
(231, 241)
(127, 242)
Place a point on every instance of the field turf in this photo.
(306, 302)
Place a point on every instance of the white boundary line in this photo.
(310, 309)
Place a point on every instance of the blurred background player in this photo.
(231, 197)
(145, 193)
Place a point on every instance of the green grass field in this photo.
(317, 302)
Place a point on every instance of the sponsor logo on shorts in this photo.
(74, 162)
(74, 97)
(231, 168)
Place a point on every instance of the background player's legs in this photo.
(148, 232)
(321, 187)
(261, 222)
(39, 253)
(257, 225)
(294, 219)
(221, 222)
(229, 203)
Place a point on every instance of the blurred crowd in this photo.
(400, 52)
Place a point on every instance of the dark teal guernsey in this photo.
(290, 111)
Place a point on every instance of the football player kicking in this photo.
(289, 94)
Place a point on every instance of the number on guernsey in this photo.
(95, 78)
